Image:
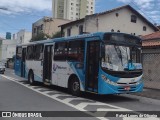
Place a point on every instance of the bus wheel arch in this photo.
(31, 77)
(74, 85)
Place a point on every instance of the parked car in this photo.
(2, 68)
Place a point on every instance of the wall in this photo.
(23, 36)
(8, 49)
(107, 22)
(50, 26)
(151, 64)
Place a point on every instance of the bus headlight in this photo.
(108, 81)
(139, 82)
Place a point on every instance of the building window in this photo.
(69, 32)
(144, 28)
(133, 18)
(118, 31)
(81, 29)
(71, 3)
(34, 30)
(117, 14)
(77, 9)
(42, 27)
(61, 11)
(112, 30)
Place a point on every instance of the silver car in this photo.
(2, 68)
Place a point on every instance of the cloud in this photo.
(143, 3)
(21, 6)
(148, 8)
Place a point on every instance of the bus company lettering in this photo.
(55, 67)
(22, 115)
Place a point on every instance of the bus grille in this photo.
(122, 89)
(124, 84)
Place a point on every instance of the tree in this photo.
(40, 36)
(57, 35)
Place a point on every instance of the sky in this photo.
(20, 14)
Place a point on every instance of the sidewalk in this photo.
(149, 93)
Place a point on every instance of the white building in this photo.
(23, 36)
(7, 49)
(72, 9)
(47, 25)
(123, 19)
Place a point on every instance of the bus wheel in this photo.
(31, 78)
(75, 86)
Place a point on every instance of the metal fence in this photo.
(151, 70)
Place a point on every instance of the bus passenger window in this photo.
(39, 52)
(19, 53)
(60, 51)
(30, 53)
(76, 51)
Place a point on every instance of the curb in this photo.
(143, 99)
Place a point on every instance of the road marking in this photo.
(81, 106)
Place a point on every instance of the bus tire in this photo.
(31, 78)
(74, 86)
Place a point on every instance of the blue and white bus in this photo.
(101, 63)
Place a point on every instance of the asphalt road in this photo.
(17, 95)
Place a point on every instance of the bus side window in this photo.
(76, 51)
(19, 53)
(30, 52)
(60, 51)
(38, 52)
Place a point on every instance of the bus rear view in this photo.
(121, 67)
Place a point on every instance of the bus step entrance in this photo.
(47, 82)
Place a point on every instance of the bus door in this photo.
(47, 64)
(92, 66)
(23, 62)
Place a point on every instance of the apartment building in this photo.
(72, 9)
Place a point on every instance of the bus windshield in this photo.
(121, 58)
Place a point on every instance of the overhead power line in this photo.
(133, 3)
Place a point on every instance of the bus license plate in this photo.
(127, 88)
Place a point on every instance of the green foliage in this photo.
(40, 36)
(57, 35)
